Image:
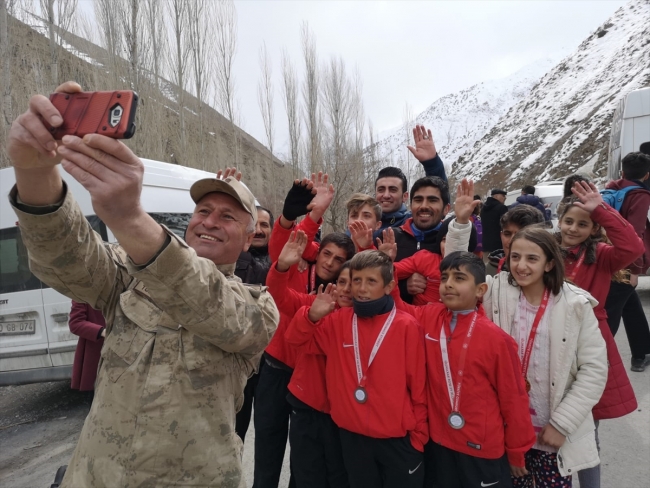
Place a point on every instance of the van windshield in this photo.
(15, 275)
(176, 222)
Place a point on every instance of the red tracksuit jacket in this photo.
(396, 381)
(308, 379)
(297, 281)
(618, 398)
(427, 264)
(493, 401)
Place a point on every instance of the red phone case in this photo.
(111, 113)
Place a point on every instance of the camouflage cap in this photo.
(229, 186)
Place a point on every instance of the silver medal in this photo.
(456, 420)
(360, 395)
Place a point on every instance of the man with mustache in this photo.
(253, 265)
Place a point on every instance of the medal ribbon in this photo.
(454, 396)
(525, 361)
(380, 338)
(312, 279)
(574, 273)
(501, 263)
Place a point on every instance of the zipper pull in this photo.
(418, 246)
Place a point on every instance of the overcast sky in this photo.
(408, 51)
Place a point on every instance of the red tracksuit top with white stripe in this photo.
(297, 281)
(493, 401)
(308, 379)
(427, 264)
(396, 381)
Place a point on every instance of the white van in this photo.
(549, 192)
(630, 129)
(35, 341)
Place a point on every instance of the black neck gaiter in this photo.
(374, 307)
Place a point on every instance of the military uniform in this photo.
(183, 335)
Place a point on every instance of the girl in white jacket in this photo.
(563, 355)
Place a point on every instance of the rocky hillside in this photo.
(563, 124)
(461, 119)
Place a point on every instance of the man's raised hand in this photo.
(297, 201)
(424, 149)
(324, 303)
(387, 244)
(29, 144)
(224, 174)
(465, 204)
(292, 251)
(323, 198)
(361, 235)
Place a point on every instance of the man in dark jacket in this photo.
(623, 300)
(391, 184)
(430, 204)
(252, 268)
(528, 198)
(491, 214)
(253, 265)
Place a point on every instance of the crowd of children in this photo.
(486, 379)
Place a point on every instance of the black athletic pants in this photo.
(623, 302)
(381, 463)
(243, 417)
(316, 457)
(271, 418)
(446, 468)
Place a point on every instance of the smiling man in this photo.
(391, 184)
(429, 204)
(182, 333)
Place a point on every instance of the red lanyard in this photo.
(454, 395)
(533, 332)
(312, 279)
(501, 262)
(577, 265)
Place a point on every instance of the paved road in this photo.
(40, 424)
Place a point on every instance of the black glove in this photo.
(295, 204)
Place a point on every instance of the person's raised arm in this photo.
(323, 198)
(626, 244)
(296, 204)
(425, 152)
(460, 228)
(32, 151)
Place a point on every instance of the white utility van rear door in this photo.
(23, 332)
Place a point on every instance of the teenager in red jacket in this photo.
(590, 263)
(89, 325)
(272, 411)
(478, 406)
(375, 375)
(316, 458)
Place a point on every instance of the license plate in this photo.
(18, 328)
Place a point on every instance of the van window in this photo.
(14, 264)
(176, 222)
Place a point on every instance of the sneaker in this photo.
(638, 365)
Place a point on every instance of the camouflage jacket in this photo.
(182, 337)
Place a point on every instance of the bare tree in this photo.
(310, 91)
(290, 97)
(201, 20)
(178, 13)
(59, 16)
(7, 116)
(265, 96)
(107, 14)
(226, 48)
(155, 22)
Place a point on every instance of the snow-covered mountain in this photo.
(563, 124)
(461, 119)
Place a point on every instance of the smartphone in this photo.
(111, 113)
